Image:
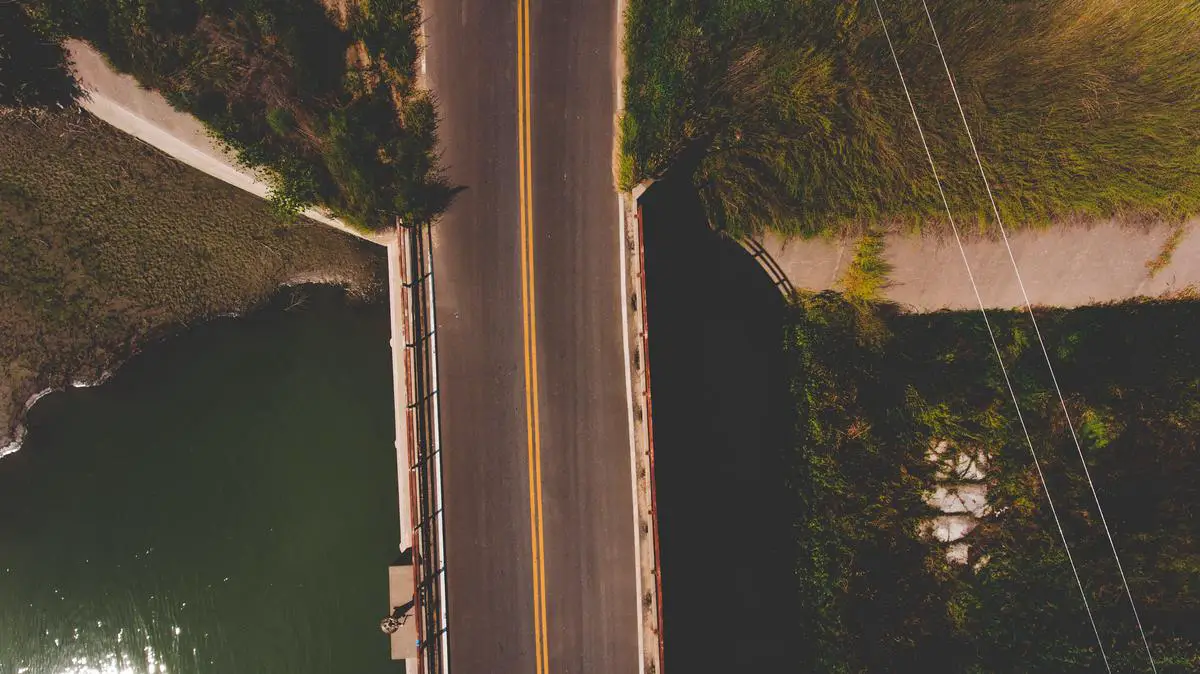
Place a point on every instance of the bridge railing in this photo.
(425, 450)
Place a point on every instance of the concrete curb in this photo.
(641, 434)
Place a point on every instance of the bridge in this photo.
(543, 553)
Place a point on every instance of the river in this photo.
(225, 504)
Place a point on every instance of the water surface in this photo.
(225, 504)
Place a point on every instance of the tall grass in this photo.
(866, 275)
(792, 117)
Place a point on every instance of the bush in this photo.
(33, 64)
(321, 102)
(878, 597)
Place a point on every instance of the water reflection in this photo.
(89, 651)
(224, 505)
(125, 643)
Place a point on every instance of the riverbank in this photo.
(110, 245)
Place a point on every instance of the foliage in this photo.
(880, 598)
(867, 272)
(322, 99)
(33, 68)
(105, 243)
(792, 116)
(1163, 258)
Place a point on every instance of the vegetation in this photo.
(1163, 258)
(879, 596)
(107, 243)
(792, 117)
(31, 64)
(866, 275)
(323, 99)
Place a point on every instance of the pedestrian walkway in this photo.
(1064, 266)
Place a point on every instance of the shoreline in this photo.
(15, 434)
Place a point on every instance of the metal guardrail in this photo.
(423, 418)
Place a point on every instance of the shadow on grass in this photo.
(722, 422)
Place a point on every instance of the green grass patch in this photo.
(1164, 256)
(107, 242)
(792, 116)
(866, 275)
(872, 394)
(326, 104)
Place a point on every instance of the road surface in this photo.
(537, 478)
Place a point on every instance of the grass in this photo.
(1160, 261)
(791, 118)
(323, 99)
(107, 243)
(877, 596)
(866, 275)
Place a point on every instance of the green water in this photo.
(226, 503)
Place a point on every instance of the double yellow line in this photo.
(529, 317)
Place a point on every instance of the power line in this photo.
(992, 336)
(1029, 307)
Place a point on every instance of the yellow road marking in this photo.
(529, 317)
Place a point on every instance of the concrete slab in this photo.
(400, 592)
(810, 264)
(969, 499)
(1065, 266)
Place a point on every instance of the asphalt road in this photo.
(539, 505)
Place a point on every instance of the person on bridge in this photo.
(397, 619)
